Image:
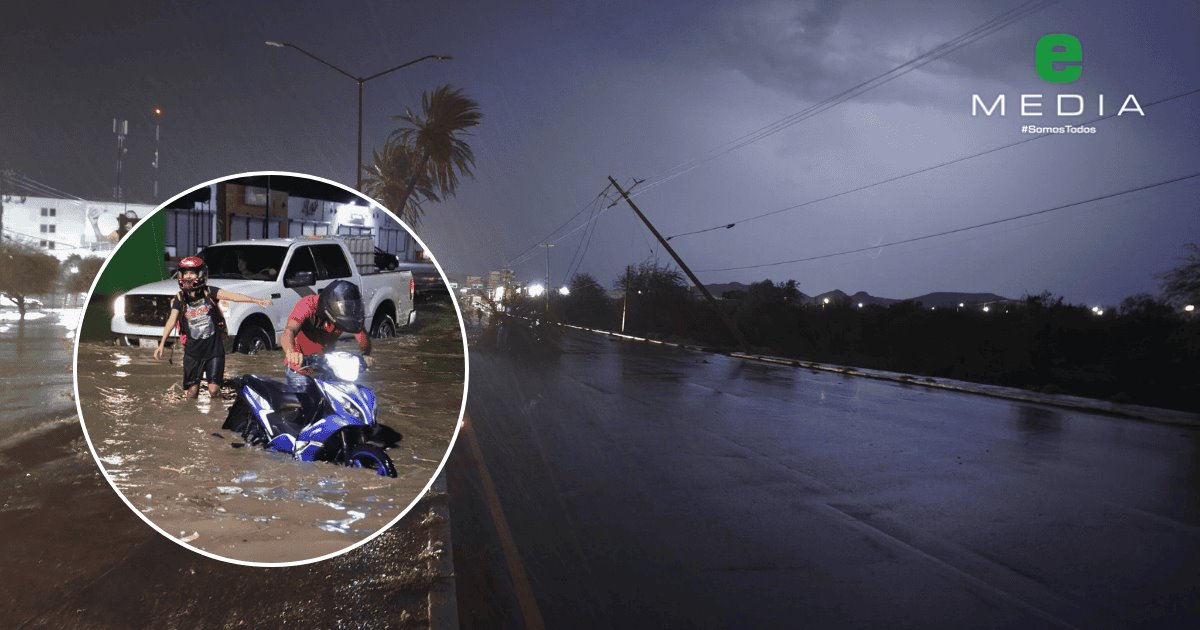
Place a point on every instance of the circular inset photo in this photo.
(271, 369)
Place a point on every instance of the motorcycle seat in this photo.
(275, 393)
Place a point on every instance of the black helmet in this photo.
(341, 304)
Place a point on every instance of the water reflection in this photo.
(171, 459)
(1039, 430)
(1038, 421)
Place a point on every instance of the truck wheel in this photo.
(253, 339)
(384, 328)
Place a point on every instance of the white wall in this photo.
(74, 231)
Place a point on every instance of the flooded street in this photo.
(173, 462)
(35, 366)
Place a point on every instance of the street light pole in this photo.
(360, 81)
(547, 246)
(157, 119)
(120, 130)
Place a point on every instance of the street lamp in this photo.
(158, 112)
(360, 81)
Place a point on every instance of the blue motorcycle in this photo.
(333, 419)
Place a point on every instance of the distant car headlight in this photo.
(119, 305)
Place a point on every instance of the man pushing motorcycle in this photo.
(316, 323)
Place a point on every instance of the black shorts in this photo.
(211, 369)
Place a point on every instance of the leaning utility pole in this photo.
(729, 323)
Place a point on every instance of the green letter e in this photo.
(1061, 48)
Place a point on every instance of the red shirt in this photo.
(314, 337)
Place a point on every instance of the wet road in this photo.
(75, 556)
(171, 460)
(611, 484)
(35, 364)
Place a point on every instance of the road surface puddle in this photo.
(170, 459)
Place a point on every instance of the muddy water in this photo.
(35, 366)
(169, 457)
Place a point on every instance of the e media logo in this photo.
(1057, 58)
(1063, 49)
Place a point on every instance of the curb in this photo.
(1074, 403)
(443, 596)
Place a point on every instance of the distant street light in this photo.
(360, 81)
(564, 291)
(1189, 308)
(986, 309)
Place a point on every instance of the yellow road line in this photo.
(512, 559)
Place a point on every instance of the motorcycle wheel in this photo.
(242, 420)
(371, 456)
(239, 415)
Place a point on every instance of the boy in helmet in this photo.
(316, 323)
(202, 327)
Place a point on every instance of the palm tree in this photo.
(435, 141)
(387, 179)
(423, 160)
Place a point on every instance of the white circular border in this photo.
(453, 438)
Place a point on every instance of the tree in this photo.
(1181, 285)
(24, 272)
(586, 304)
(387, 180)
(767, 293)
(648, 277)
(86, 270)
(436, 155)
(656, 298)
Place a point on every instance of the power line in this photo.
(584, 244)
(33, 185)
(518, 258)
(730, 225)
(961, 229)
(42, 237)
(993, 25)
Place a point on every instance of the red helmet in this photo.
(197, 264)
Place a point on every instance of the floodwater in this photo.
(169, 457)
(35, 366)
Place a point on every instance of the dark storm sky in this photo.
(572, 94)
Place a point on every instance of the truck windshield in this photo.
(244, 262)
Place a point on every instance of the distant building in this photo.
(231, 210)
(474, 282)
(301, 207)
(62, 227)
(500, 278)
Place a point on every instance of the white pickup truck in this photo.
(282, 270)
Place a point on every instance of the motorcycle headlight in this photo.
(352, 409)
(344, 366)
